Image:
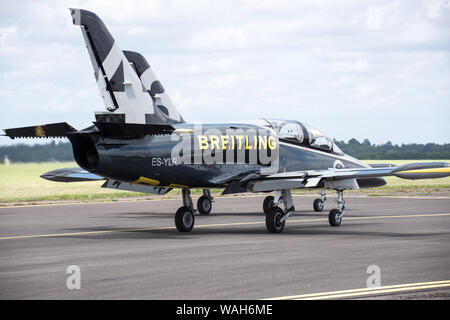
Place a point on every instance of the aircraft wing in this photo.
(346, 177)
(71, 175)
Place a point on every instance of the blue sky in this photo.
(365, 69)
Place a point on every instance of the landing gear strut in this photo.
(335, 215)
(276, 217)
(320, 203)
(184, 217)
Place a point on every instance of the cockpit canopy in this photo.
(304, 134)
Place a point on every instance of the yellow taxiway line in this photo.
(61, 203)
(69, 234)
(354, 293)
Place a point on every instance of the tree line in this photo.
(389, 151)
(62, 151)
(52, 151)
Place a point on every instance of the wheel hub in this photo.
(187, 219)
(206, 205)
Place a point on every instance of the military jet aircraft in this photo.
(141, 143)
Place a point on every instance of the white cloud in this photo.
(223, 37)
(373, 17)
(7, 35)
(359, 65)
(435, 8)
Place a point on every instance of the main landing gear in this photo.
(204, 203)
(272, 201)
(184, 217)
(319, 204)
(275, 216)
(268, 204)
(335, 215)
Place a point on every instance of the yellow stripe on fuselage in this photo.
(154, 182)
(148, 181)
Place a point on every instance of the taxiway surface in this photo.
(131, 250)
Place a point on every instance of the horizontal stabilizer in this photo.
(131, 130)
(53, 130)
(70, 175)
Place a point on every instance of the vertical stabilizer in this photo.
(153, 86)
(120, 86)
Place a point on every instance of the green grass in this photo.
(21, 182)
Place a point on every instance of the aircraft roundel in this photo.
(338, 164)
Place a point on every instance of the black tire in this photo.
(273, 223)
(318, 205)
(334, 218)
(204, 205)
(268, 204)
(184, 219)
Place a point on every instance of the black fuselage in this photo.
(150, 159)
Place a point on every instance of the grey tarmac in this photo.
(131, 250)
